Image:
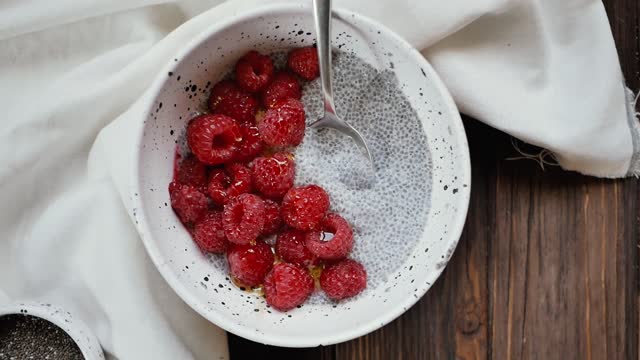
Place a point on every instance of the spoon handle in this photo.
(322, 16)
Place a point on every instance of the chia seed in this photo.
(30, 337)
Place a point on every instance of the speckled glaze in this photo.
(79, 332)
(177, 95)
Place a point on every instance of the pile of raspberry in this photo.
(236, 187)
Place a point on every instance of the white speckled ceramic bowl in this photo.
(178, 93)
(77, 330)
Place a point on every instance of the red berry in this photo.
(192, 172)
(304, 62)
(254, 71)
(243, 218)
(209, 234)
(304, 207)
(273, 176)
(344, 279)
(251, 145)
(272, 219)
(290, 247)
(227, 183)
(228, 99)
(287, 286)
(213, 139)
(250, 263)
(284, 86)
(338, 246)
(188, 202)
(283, 124)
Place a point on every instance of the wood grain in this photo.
(547, 266)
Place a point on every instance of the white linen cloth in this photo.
(71, 71)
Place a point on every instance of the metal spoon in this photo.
(322, 16)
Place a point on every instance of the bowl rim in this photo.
(91, 350)
(377, 321)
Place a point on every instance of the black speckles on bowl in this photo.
(421, 133)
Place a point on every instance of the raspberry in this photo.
(209, 234)
(227, 183)
(284, 86)
(287, 286)
(273, 176)
(304, 62)
(283, 124)
(243, 218)
(213, 139)
(250, 263)
(251, 145)
(304, 207)
(344, 279)
(254, 71)
(228, 99)
(188, 203)
(272, 219)
(290, 248)
(192, 172)
(337, 246)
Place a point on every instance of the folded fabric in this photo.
(74, 72)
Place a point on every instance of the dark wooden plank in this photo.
(240, 348)
(563, 274)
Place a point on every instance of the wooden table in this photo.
(547, 267)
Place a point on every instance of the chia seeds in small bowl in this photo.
(44, 331)
(30, 337)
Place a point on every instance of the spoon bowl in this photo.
(330, 119)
